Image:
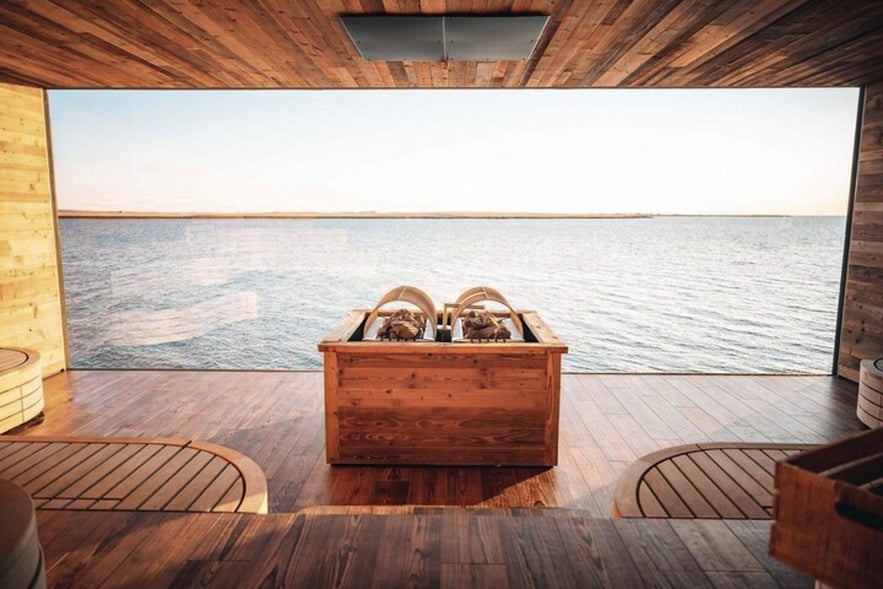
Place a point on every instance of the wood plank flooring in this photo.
(132, 474)
(607, 422)
(703, 481)
(375, 526)
(417, 547)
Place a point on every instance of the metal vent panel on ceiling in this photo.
(440, 38)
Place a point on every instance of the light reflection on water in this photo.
(673, 294)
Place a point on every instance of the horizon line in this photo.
(74, 213)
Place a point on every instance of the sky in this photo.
(735, 151)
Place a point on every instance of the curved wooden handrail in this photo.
(463, 295)
(481, 293)
(408, 294)
(478, 289)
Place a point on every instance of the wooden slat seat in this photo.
(702, 481)
(132, 474)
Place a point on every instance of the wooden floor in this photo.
(703, 481)
(276, 418)
(434, 547)
(607, 422)
(132, 474)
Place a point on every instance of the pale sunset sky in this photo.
(546, 151)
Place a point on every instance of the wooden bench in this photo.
(21, 387)
(703, 481)
(132, 474)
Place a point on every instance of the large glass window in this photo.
(675, 230)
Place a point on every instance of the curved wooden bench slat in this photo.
(133, 474)
(721, 480)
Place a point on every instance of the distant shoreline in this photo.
(76, 214)
(353, 215)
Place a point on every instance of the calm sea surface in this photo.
(662, 294)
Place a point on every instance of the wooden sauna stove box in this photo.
(442, 403)
(828, 512)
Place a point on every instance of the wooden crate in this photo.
(442, 403)
(828, 512)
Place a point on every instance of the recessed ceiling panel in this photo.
(492, 38)
(440, 38)
(397, 38)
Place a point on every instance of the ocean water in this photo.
(659, 294)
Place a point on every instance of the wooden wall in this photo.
(861, 335)
(31, 306)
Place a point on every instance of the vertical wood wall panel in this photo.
(30, 299)
(861, 335)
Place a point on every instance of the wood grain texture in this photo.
(347, 526)
(829, 511)
(30, 300)
(700, 481)
(861, 335)
(421, 547)
(869, 409)
(21, 387)
(596, 43)
(433, 403)
(132, 474)
(277, 419)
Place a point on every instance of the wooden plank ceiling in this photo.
(301, 44)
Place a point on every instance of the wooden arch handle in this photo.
(408, 294)
(477, 294)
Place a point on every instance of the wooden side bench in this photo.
(703, 481)
(133, 474)
(21, 387)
